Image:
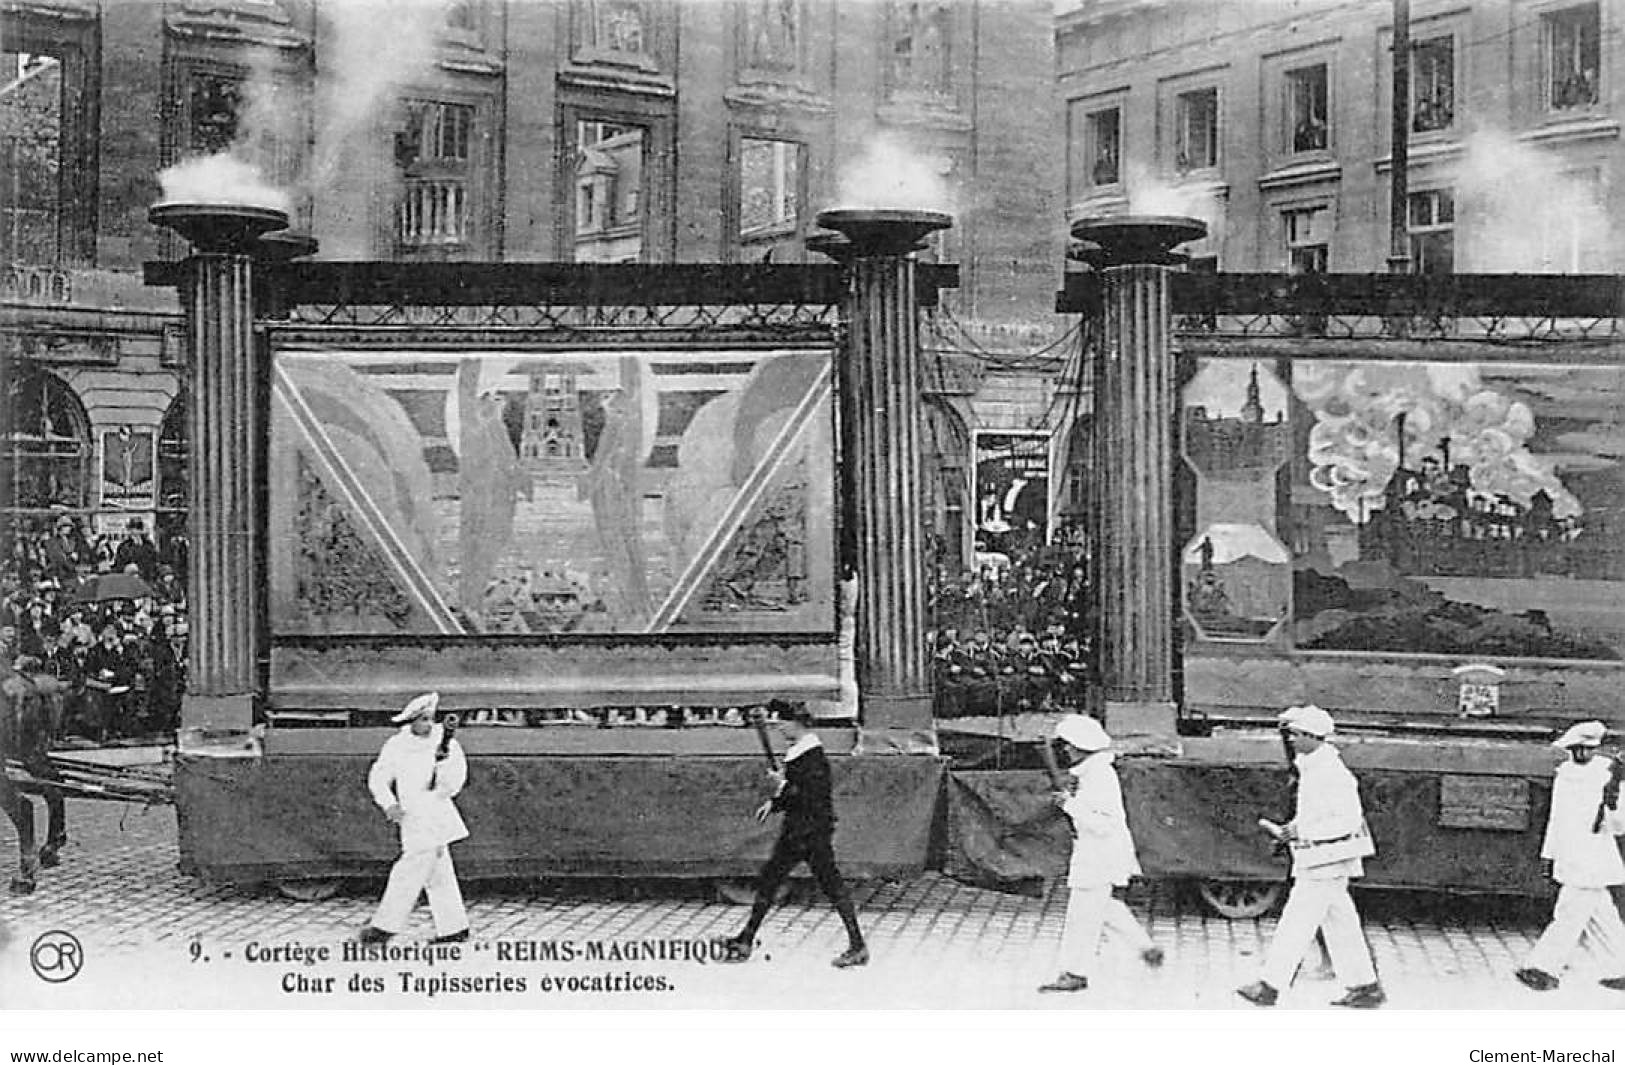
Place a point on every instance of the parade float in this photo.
(603, 510)
(1393, 496)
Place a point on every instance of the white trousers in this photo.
(413, 873)
(1090, 913)
(1581, 913)
(1322, 906)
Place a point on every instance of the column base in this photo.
(208, 716)
(911, 711)
(881, 740)
(1142, 725)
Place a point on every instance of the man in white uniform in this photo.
(1102, 856)
(1581, 845)
(1329, 824)
(414, 781)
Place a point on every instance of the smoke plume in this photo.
(367, 52)
(1522, 211)
(1354, 447)
(890, 173)
(221, 179)
(1149, 194)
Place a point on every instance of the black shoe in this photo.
(1066, 982)
(735, 949)
(48, 858)
(1536, 979)
(452, 937)
(22, 886)
(1259, 993)
(1152, 956)
(852, 956)
(1613, 983)
(371, 935)
(1364, 997)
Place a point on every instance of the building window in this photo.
(1433, 85)
(1573, 56)
(435, 153)
(769, 187)
(1197, 115)
(47, 439)
(1573, 225)
(1104, 146)
(770, 35)
(47, 149)
(1432, 225)
(1308, 239)
(31, 108)
(1308, 108)
(609, 182)
(212, 104)
(921, 47)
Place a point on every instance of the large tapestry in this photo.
(1415, 507)
(565, 492)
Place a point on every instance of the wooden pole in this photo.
(1399, 243)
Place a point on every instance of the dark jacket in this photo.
(111, 660)
(805, 799)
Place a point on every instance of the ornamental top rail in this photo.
(556, 284)
(1499, 296)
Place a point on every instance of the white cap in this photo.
(1585, 734)
(423, 706)
(1084, 733)
(1308, 718)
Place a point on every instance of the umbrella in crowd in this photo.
(108, 586)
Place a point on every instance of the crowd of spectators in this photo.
(1012, 633)
(103, 613)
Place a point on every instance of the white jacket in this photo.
(1328, 809)
(1103, 853)
(401, 775)
(1579, 856)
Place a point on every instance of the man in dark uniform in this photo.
(807, 835)
(109, 677)
(139, 551)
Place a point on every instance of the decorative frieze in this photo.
(263, 23)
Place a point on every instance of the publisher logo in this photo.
(56, 957)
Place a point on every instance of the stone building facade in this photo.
(1273, 122)
(545, 130)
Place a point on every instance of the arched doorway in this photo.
(48, 448)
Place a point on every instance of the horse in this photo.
(31, 712)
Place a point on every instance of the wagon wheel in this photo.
(1239, 900)
(739, 891)
(318, 889)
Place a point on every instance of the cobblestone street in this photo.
(156, 938)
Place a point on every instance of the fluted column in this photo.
(879, 380)
(1134, 445)
(224, 519)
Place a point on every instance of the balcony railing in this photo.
(433, 212)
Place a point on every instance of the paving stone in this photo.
(935, 942)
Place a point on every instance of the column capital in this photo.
(877, 232)
(1135, 240)
(217, 228)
